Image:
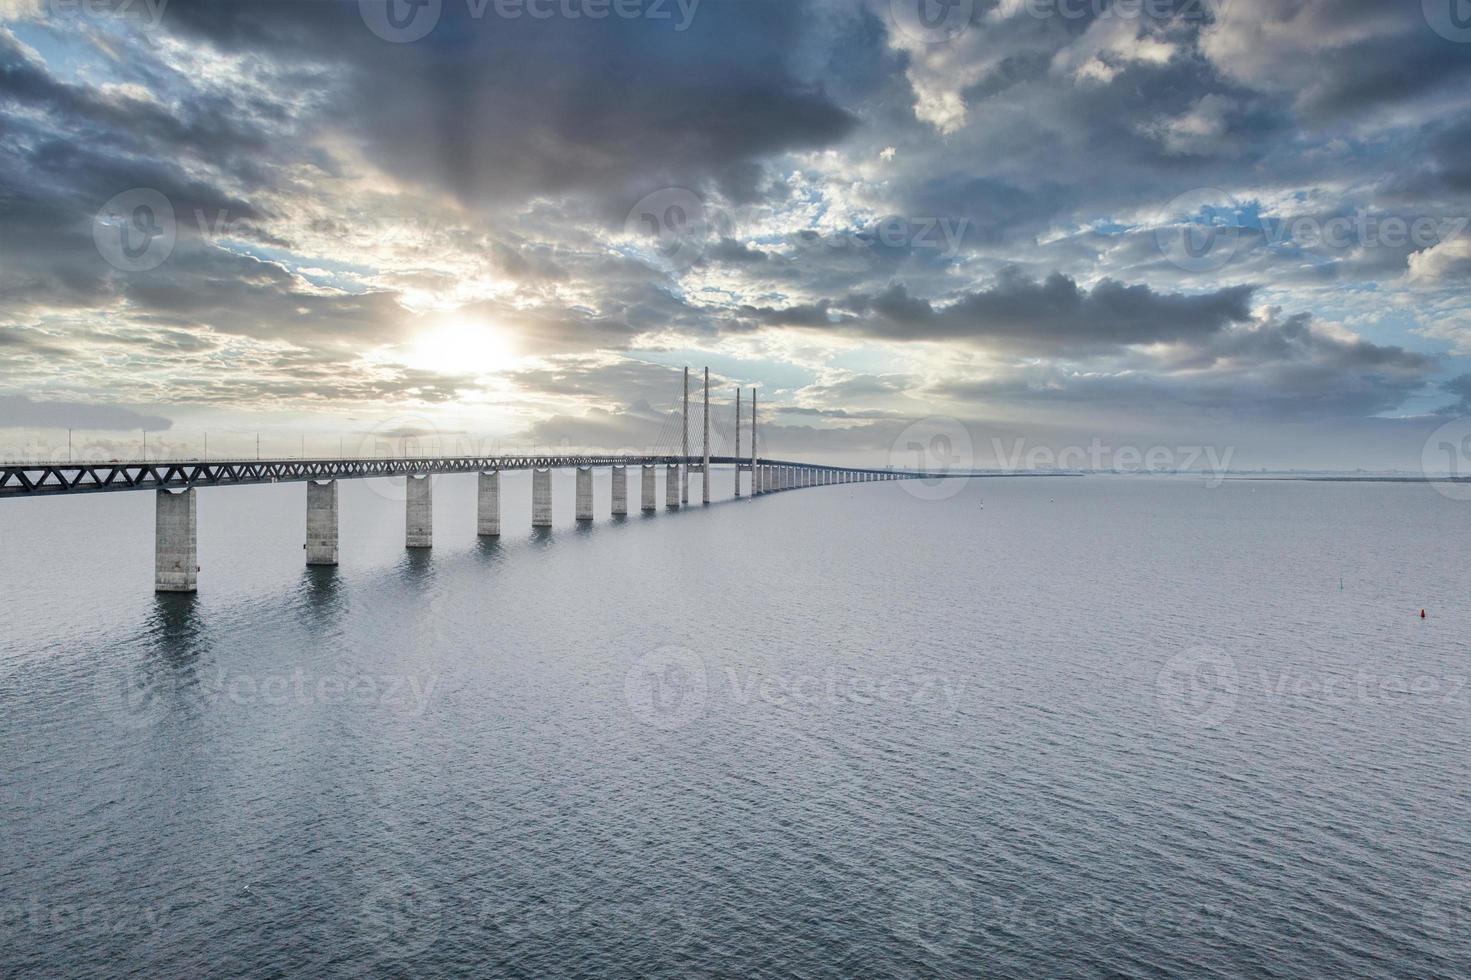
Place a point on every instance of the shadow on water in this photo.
(417, 565)
(176, 629)
(321, 586)
(170, 679)
(489, 549)
(321, 598)
(541, 536)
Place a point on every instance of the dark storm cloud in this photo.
(1460, 387)
(1019, 313)
(1275, 368)
(496, 110)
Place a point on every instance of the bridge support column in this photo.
(488, 505)
(321, 523)
(672, 486)
(584, 493)
(419, 511)
(175, 542)
(541, 498)
(620, 491)
(649, 497)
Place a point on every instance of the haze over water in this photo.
(1043, 727)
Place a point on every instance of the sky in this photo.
(1028, 226)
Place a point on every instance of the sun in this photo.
(462, 347)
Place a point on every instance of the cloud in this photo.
(1020, 314)
(339, 197)
(20, 412)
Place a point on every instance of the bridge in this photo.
(175, 483)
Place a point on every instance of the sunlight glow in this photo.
(462, 347)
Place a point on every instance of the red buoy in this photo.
(1422, 614)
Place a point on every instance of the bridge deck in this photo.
(32, 479)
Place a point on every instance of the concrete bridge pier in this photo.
(648, 502)
(541, 498)
(584, 493)
(488, 505)
(175, 542)
(672, 486)
(419, 511)
(620, 491)
(321, 522)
